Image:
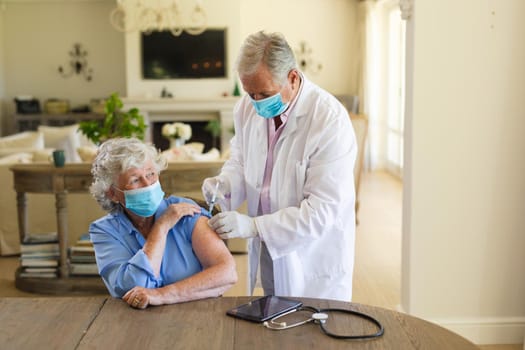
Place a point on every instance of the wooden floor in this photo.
(378, 251)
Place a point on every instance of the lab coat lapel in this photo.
(258, 153)
(294, 118)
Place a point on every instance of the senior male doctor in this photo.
(292, 160)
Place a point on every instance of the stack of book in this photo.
(39, 256)
(82, 257)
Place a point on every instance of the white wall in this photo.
(464, 211)
(328, 26)
(38, 39)
(40, 33)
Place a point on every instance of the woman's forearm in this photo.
(210, 282)
(154, 248)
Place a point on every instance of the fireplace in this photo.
(196, 112)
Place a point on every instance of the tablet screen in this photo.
(265, 308)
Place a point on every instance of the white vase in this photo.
(175, 143)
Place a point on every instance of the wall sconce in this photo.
(305, 60)
(77, 64)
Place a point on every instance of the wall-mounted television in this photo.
(165, 56)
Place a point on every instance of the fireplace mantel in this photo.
(186, 110)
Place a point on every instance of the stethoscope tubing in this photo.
(322, 322)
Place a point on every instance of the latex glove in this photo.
(217, 184)
(231, 224)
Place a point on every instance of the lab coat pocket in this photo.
(289, 275)
(300, 178)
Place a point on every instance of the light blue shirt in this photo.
(121, 261)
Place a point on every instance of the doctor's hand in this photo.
(231, 224)
(218, 187)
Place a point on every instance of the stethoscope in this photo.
(319, 316)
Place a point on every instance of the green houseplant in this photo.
(117, 123)
(214, 128)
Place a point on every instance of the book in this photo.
(40, 269)
(40, 256)
(83, 259)
(84, 240)
(82, 250)
(41, 242)
(39, 272)
(39, 275)
(83, 269)
(39, 247)
(46, 237)
(39, 262)
(40, 250)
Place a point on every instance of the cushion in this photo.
(198, 147)
(26, 139)
(24, 157)
(7, 151)
(62, 137)
(177, 154)
(87, 153)
(43, 155)
(211, 155)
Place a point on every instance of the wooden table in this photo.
(107, 323)
(181, 178)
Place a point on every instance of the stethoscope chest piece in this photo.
(319, 317)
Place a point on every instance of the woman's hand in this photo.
(140, 297)
(156, 238)
(176, 211)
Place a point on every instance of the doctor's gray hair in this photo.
(270, 49)
(116, 156)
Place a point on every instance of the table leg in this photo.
(61, 207)
(21, 200)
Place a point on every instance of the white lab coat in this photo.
(311, 231)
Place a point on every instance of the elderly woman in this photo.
(152, 250)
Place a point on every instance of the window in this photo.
(395, 93)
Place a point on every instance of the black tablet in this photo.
(265, 308)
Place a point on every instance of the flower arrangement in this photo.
(173, 131)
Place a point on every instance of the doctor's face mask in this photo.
(265, 94)
(271, 106)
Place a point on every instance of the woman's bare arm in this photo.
(217, 276)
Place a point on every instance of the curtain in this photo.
(373, 65)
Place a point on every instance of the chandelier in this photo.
(157, 15)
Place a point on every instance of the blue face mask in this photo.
(270, 107)
(144, 201)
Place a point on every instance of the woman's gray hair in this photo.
(270, 49)
(116, 156)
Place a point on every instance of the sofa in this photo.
(37, 146)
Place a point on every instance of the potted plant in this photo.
(117, 123)
(214, 128)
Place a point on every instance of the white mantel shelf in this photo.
(181, 104)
